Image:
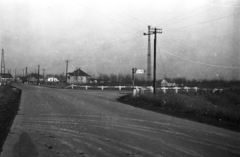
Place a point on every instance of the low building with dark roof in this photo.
(33, 78)
(77, 77)
(6, 77)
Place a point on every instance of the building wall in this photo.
(77, 79)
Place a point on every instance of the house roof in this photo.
(78, 72)
(6, 75)
(168, 80)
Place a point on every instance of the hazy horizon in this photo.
(200, 39)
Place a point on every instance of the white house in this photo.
(78, 77)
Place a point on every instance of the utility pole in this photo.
(23, 72)
(43, 75)
(26, 72)
(3, 66)
(154, 31)
(149, 63)
(133, 76)
(38, 74)
(67, 61)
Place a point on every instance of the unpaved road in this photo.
(54, 122)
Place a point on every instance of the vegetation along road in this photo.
(63, 122)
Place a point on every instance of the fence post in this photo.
(187, 88)
(120, 88)
(102, 87)
(86, 87)
(176, 89)
(151, 89)
(196, 89)
(164, 89)
(214, 90)
(134, 93)
(72, 86)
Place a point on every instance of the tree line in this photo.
(140, 80)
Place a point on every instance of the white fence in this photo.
(142, 89)
(139, 91)
(100, 87)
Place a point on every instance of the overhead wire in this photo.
(106, 16)
(165, 76)
(223, 5)
(188, 45)
(191, 12)
(200, 23)
(190, 16)
(202, 63)
(129, 17)
(115, 44)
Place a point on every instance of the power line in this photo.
(165, 76)
(194, 10)
(184, 43)
(116, 43)
(106, 16)
(192, 15)
(142, 23)
(202, 22)
(202, 63)
(223, 5)
(191, 12)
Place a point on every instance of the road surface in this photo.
(86, 123)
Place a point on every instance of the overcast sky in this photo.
(200, 39)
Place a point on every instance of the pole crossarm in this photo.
(158, 30)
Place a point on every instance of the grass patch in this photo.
(222, 109)
(9, 105)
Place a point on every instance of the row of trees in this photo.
(126, 80)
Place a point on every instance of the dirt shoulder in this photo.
(195, 107)
(9, 105)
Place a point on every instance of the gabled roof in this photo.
(6, 75)
(168, 80)
(78, 72)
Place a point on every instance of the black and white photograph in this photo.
(120, 78)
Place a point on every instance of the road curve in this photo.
(86, 123)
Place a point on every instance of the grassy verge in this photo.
(9, 105)
(222, 110)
